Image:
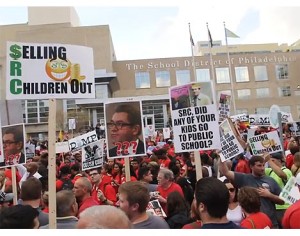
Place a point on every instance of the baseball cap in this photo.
(277, 155)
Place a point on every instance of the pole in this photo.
(196, 153)
(52, 163)
(230, 72)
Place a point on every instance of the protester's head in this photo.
(297, 159)
(95, 175)
(125, 124)
(233, 192)
(144, 174)
(249, 199)
(31, 189)
(176, 204)
(277, 158)
(257, 167)
(134, 198)
(66, 204)
(165, 177)
(19, 217)
(82, 188)
(13, 140)
(32, 167)
(212, 198)
(103, 217)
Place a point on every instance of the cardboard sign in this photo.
(224, 106)
(44, 71)
(230, 144)
(78, 142)
(290, 193)
(61, 147)
(268, 142)
(92, 155)
(166, 133)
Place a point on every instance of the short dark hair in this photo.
(134, 115)
(31, 189)
(254, 159)
(214, 195)
(17, 131)
(143, 171)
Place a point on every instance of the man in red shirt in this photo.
(291, 216)
(166, 185)
(82, 190)
(102, 191)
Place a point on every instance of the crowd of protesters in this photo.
(239, 193)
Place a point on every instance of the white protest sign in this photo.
(151, 130)
(290, 193)
(259, 120)
(273, 114)
(241, 117)
(61, 147)
(78, 142)
(72, 124)
(155, 208)
(250, 133)
(92, 155)
(29, 150)
(195, 127)
(166, 133)
(286, 117)
(224, 106)
(268, 142)
(44, 71)
(231, 146)
(295, 128)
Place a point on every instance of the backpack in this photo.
(67, 184)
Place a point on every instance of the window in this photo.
(243, 93)
(222, 75)
(262, 110)
(286, 109)
(284, 91)
(282, 71)
(203, 75)
(71, 104)
(162, 78)
(241, 74)
(182, 77)
(262, 92)
(101, 91)
(242, 111)
(142, 80)
(260, 73)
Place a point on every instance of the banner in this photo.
(230, 143)
(78, 142)
(92, 155)
(268, 142)
(44, 71)
(224, 106)
(195, 127)
(124, 129)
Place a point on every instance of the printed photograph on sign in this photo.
(30, 150)
(44, 71)
(124, 129)
(195, 127)
(13, 141)
(93, 155)
(155, 208)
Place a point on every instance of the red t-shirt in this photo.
(108, 190)
(88, 202)
(289, 161)
(257, 220)
(291, 217)
(165, 192)
(243, 167)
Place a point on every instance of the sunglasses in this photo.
(231, 190)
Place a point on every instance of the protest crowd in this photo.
(163, 191)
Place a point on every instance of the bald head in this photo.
(103, 217)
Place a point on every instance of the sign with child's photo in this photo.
(92, 155)
(155, 208)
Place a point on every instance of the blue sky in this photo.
(141, 31)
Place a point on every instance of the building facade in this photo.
(257, 76)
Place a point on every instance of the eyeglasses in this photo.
(231, 190)
(118, 125)
(8, 142)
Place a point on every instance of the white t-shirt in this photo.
(235, 215)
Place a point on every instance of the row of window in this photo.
(163, 78)
(284, 91)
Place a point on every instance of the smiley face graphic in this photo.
(58, 69)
